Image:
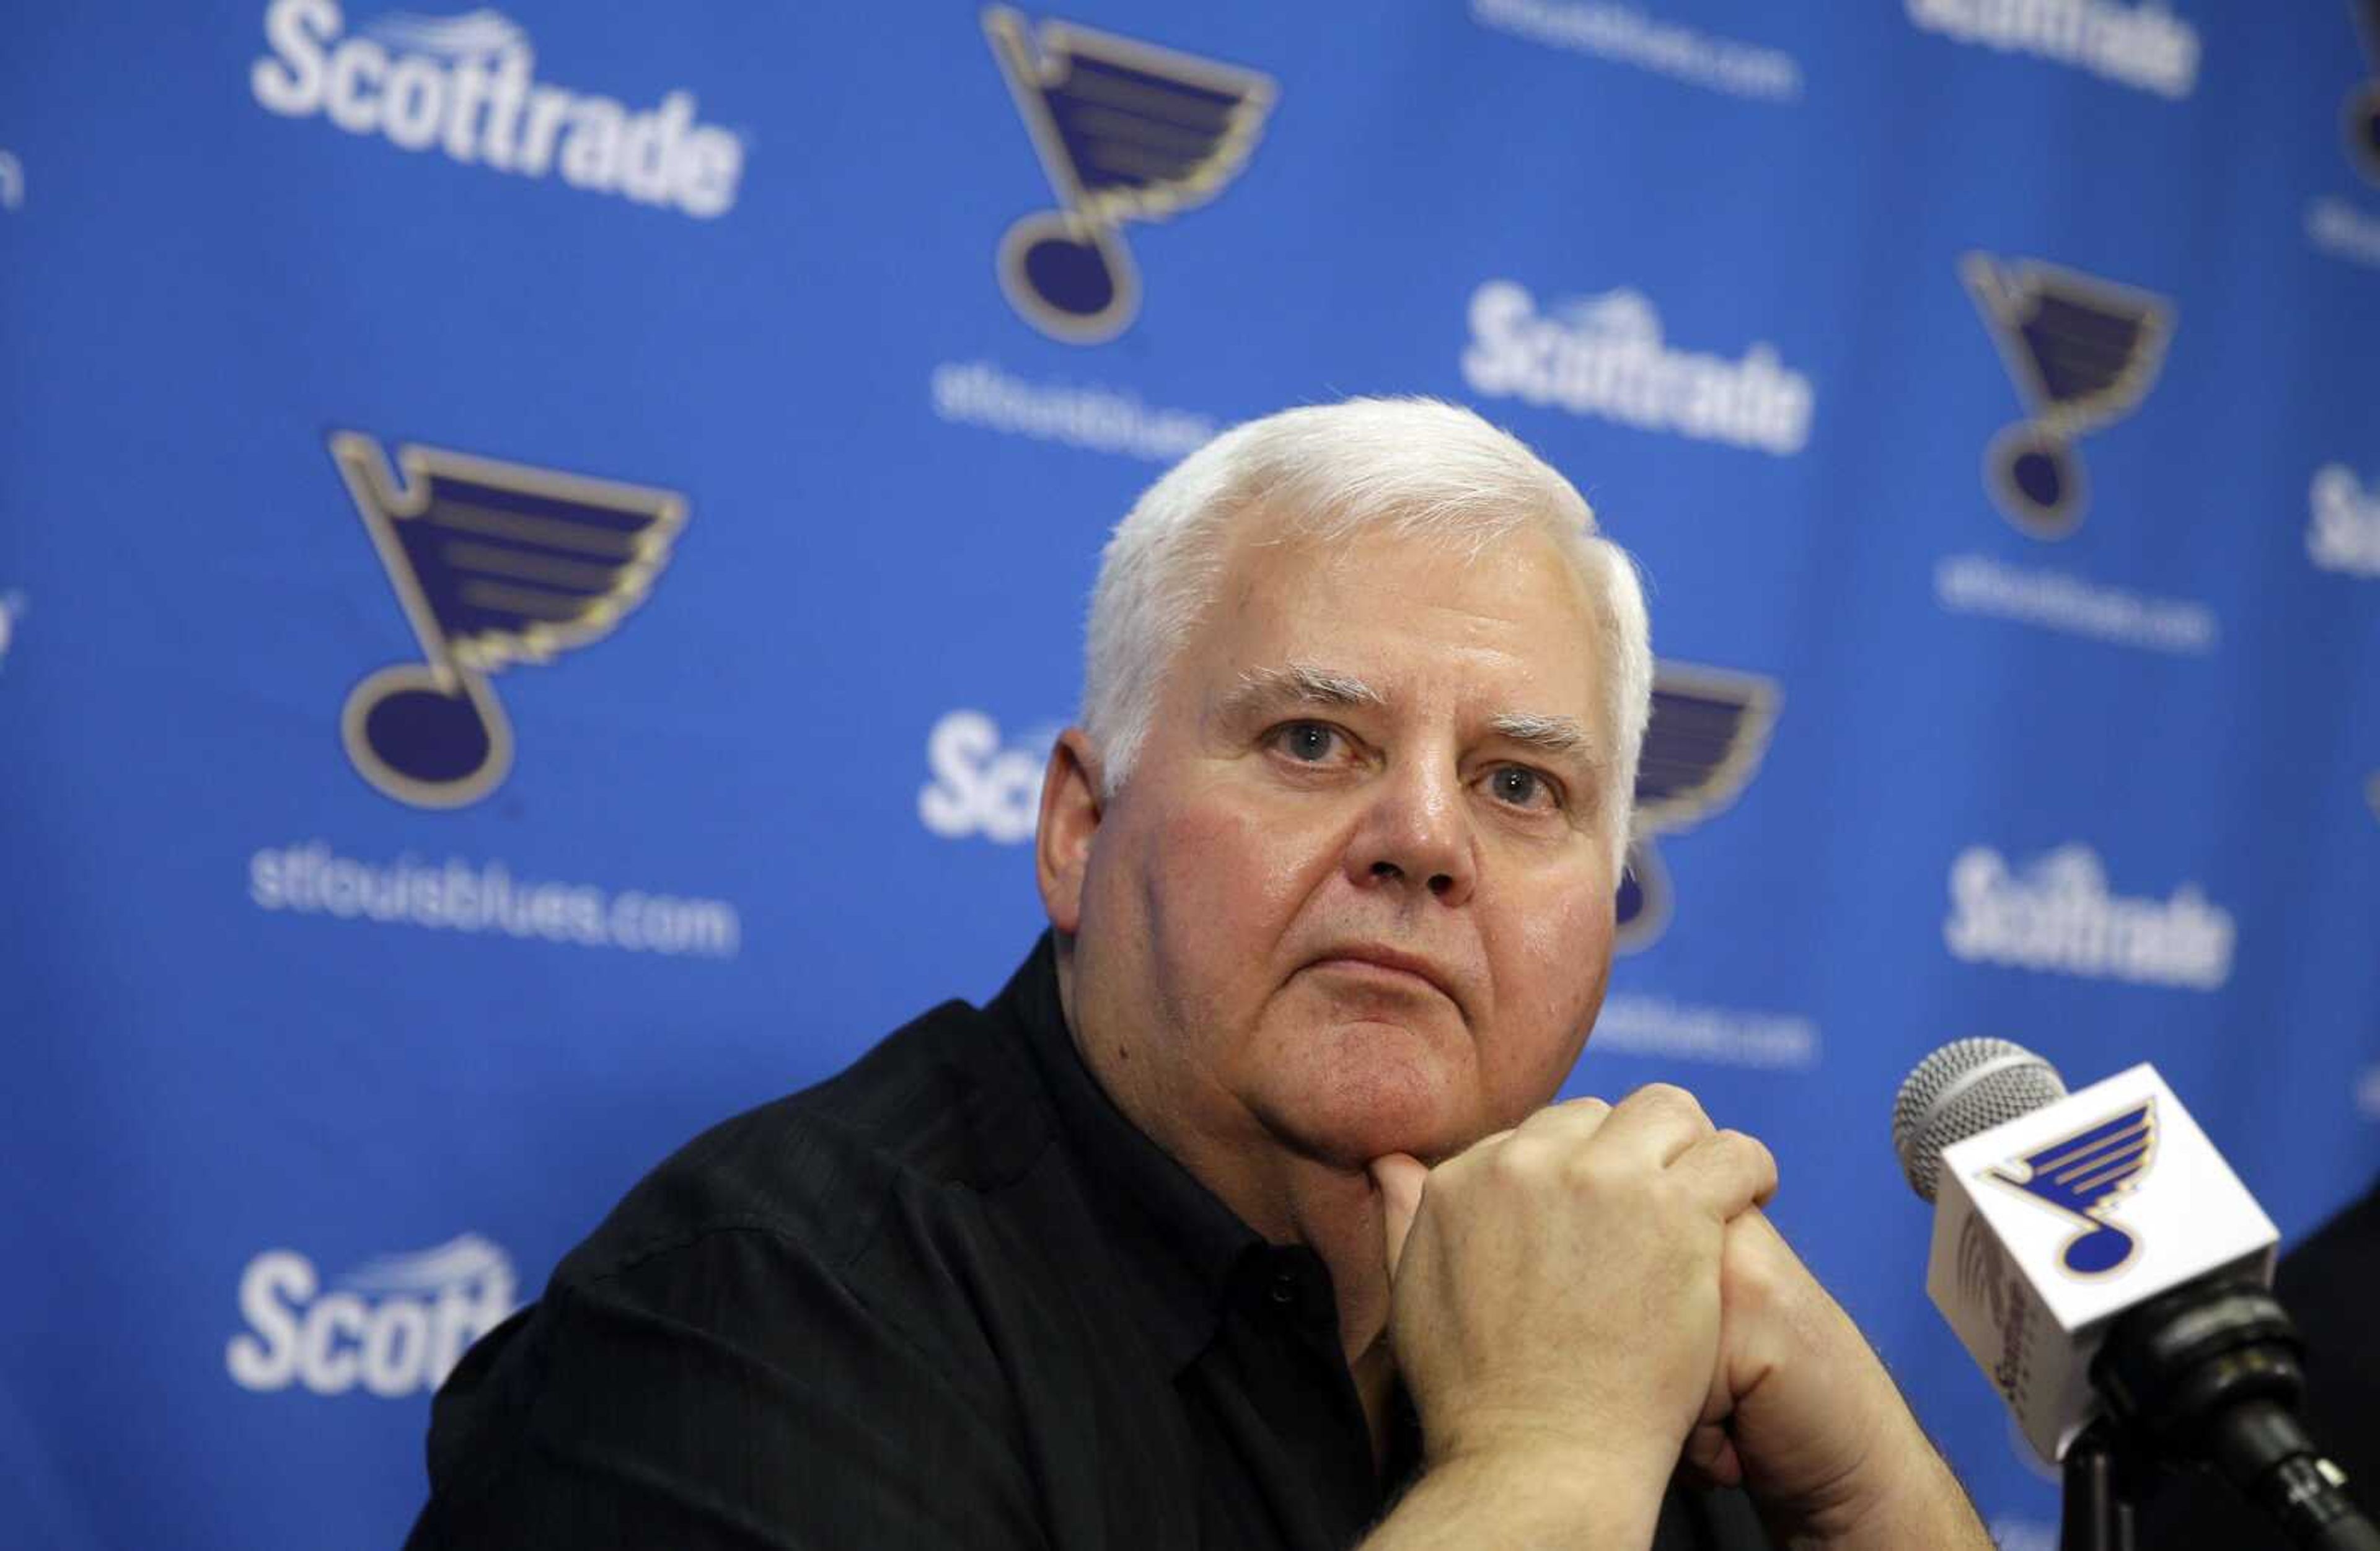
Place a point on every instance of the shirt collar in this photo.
(1179, 1244)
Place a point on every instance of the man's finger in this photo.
(1710, 1457)
(1731, 1172)
(1656, 1124)
(1401, 1176)
(1572, 1120)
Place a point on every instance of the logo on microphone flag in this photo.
(494, 564)
(2084, 1174)
(2041, 1187)
(1125, 131)
(2082, 352)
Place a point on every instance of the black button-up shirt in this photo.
(951, 1297)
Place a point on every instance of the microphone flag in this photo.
(2050, 1225)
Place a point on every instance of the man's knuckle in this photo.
(1742, 1145)
(1756, 1283)
(1593, 1175)
(1668, 1100)
(1513, 1163)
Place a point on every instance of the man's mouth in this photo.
(1387, 967)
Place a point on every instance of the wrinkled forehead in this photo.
(1511, 613)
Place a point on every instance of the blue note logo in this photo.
(1125, 131)
(2083, 352)
(495, 563)
(1708, 733)
(2361, 117)
(2084, 1175)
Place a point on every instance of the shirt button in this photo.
(1284, 1288)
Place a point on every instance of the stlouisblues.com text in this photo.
(484, 897)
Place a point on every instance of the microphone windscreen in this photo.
(1962, 1090)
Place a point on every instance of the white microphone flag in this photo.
(2048, 1226)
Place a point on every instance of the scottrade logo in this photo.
(2082, 352)
(466, 85)
(2343, 522)
(1708, 731)
(1986, 1279)
(495, 563)
(1605, 356)
(984, 783)
(2084, 1175)
(1125, 131)
(2143, 46)
(2056, 914)
(394, 1326)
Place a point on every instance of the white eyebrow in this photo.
(1300, 681)
(1559, 738)
(1553, 734)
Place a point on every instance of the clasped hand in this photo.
(1596, 1291)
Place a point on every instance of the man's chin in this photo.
(1374, 1093)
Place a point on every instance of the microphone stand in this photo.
(2101, 1492)
(2207, 1375)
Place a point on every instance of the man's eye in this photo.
(1522, 787)
(1310, 742)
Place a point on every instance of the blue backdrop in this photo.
(404, 849)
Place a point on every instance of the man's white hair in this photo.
(1412, 467)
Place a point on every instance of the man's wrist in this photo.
(1528, 1492)
(1906, 1495)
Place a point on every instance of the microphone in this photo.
(2097, 1257)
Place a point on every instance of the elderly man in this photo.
(1240, 1219)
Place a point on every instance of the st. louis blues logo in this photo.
(1708, 732)
(2084, 1175)
(2363, 111)
(495, 563)
(1126, 132)
(2083, 352)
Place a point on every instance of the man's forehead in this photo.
(1398, 615)
(1283, 564)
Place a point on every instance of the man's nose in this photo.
(1417, 834)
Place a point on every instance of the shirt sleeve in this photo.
(730, 1391)
(1715, 1518)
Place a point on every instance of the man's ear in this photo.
(1070, 817)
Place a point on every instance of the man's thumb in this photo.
(1400, 1176)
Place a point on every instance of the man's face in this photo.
(1356, 895)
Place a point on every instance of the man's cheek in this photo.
(1559, 971)
(1249, 866)
(1565, 948)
